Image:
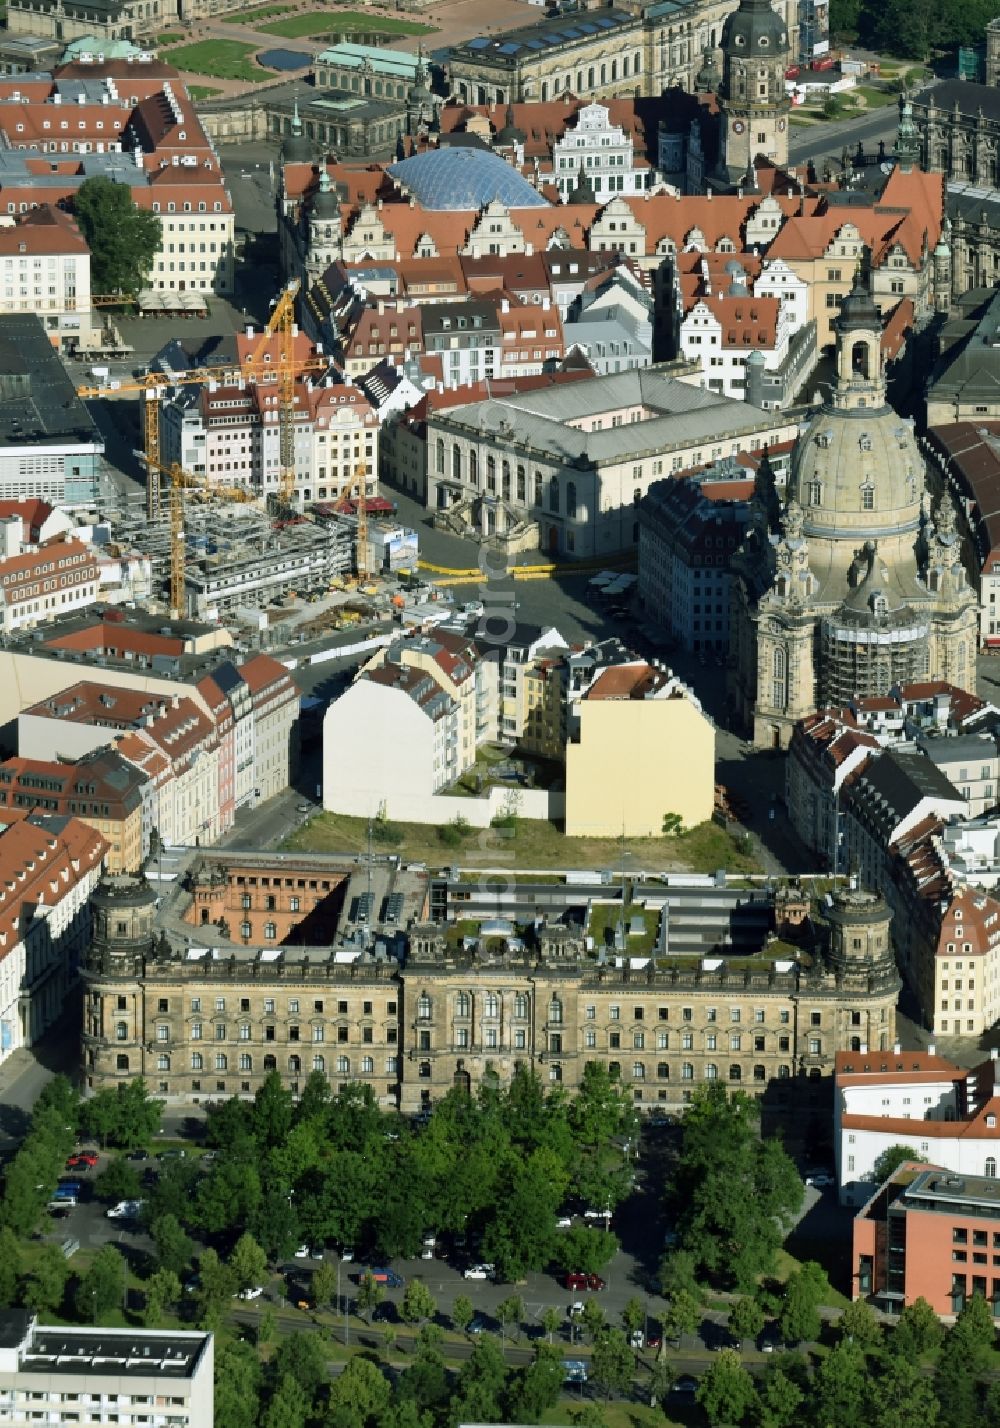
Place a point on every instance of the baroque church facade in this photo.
(856, 584)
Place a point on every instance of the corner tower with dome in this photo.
(754, 108)
(856, 584)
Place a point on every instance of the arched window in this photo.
(439, 455)
(615, 1070)
(868, 496)
(859, 360)
(687, 1072)
(491, 1005)
(473, 468)
(270, 931)
(121, 1031)
(571, 499)
(638, 1071)
(163, 1063)
(121, 1063)
(990, 1168)
(367, 1066)
(424, 1070)
(343, 1065)
(295, 1064)
(463, 1004)
(270, 1064)
(735, 1074)
(760, 1073)
(520, 483)
(855, 1043)
(538, 489)
(815, 493)
(778, 670)
(423, 1007)
(505, 481)
(662, 1071)
(555, 1073)
(521, 1005)
(491, 474)
(663, 1041)
(456, 463)
(319, 1063)
(711, 1072)
(555, 1010)
(197, 1063)
(246, 1061)
(554, 495)
(221, 1061)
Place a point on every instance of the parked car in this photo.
(173, 1153)
(125, 1210)
(575, 1309)
(686, 1385)
(302, 1252)
(138, 1156)
(821, 1179)
(574, 1371)
(317, 1252)
(346, 1255)
(564, 1222)
(597, 1215)
(584, 1281)
(381, 1275)
(477, 1324)
(253, 1293)
(479, 1271)
(82, 1160)
(637, 1339)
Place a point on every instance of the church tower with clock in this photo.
(753, 106)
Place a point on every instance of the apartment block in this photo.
(75, 1374)
(45, 269)
(102, 789)
(39, 582)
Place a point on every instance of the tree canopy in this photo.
(123, 239)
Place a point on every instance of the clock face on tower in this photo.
(738, 127)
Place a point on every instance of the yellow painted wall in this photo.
(637, 760)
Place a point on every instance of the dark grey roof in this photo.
(38, 401)
(457, 317)
(970, 98)
(972, 368)
(892, 786)
(548, 36)
(13, 1327)
(959, 746)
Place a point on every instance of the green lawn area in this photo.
(264, 12)
(326, 22)
(225, 59)
(604, 918)
(202, 91)
(537, 844)
(875, 98)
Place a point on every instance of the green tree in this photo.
(10, 1267)
(370, 1296)
(173, 1246)
(273, 1111)
(588, 1416)
(119, 1182)
(362, 1390)
(551, 1319)
(726, 1391)
(593, 1319)
(510, 1312)
(681, 1316)
(324, 1285)
(805, 1291)
(237, 1384)
(101, 1290)
(216, 1286)
(918, 1332)
(536, 1388)
(462, 1313)
(891, 1159)
(248, 1263)
(779, 1399)
(746, 1318)
(429, 1337)
(900, 1395)
(677, 1275)
(582, 1250)
(303, 1358)
(289, 1408)
(859, 1322)
(634, 1315)
(46, 1282)
(840, 1385)
(418, 1304)
(479, 1389)
(267, 1326)
(163, 1290)
(123, 239)
(973, 1334)
(611, 1362)
(661, 1381)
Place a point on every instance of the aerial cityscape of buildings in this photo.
(504, 592)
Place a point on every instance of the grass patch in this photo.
(225, 59)
(537, 844)
(604, 919)
(323, 22)
(875, 98)
(168, 39)
(787, 1264)
(202, 91)
(264, 12)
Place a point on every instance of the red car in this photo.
(584, 1281)
(83, 1160)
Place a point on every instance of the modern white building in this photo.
(944, 1114)
(45, 269)
(89, 1376)
(600, 151)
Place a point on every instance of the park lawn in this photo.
(875, 98)
(605, 916)
(202, 91)
(789, 1263)
(168, 39)
(225, 59)
(325, 22)
(537, 844)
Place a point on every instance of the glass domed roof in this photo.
(459, 178)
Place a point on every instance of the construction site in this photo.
(237, 530)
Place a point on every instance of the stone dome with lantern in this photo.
(857, 584)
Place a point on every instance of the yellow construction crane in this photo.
(281, 323)
(359, 484)
(153, 385)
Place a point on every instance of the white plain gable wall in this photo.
(40, 736)
(961, 1155)
(377, 744)
(935, 1094)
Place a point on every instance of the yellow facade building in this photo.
(640, 747)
